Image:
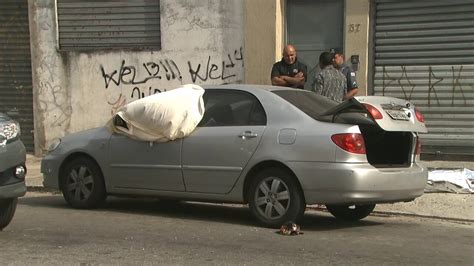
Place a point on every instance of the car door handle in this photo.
(248, 135)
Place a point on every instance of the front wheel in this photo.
(350, 212)
(82, 184)
(7, 210)
(275, 198)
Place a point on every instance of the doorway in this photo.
(314, 27)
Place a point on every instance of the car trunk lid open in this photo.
(389, 127)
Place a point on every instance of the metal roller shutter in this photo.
(109, 24)
(424, 52)
(16, 92)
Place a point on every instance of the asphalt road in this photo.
(144, 231)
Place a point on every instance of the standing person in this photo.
(347, 71)
(289, 72)
(329, 82)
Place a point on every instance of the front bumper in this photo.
(12, 155)
(50, 170)
(350, 183)
(13, 190)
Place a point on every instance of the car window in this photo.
(309, 102)
(231, 108)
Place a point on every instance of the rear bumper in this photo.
(350, 183)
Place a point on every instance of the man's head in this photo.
(325, 59)
(338, 57)
(289, 54)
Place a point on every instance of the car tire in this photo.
(82, 184)
(350, 212)
(7, 210)
(275, 198)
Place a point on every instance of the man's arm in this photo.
(276, 76)
(296, 81)
(301, 76)
(279, 81)
(352, 86)
(318, 85)
(351, 93)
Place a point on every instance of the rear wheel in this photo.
(7, 210)
(350, 212)
(82, 184)
(275, 198)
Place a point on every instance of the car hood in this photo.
(86, 135)
(397, 114)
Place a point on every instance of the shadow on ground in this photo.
(314, 220)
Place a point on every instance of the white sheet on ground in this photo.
(457, 181)
(162, 117)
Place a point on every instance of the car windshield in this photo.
(310, 103)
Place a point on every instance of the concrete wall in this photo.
(202, 43)
(264, 38)
(356, 41)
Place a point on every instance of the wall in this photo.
(356, 41)
(264, 38)
(202, 43)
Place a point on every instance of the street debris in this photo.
(455, 181)
(290, 229)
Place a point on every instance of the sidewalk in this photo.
(437, 205)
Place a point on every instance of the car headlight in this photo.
(9, 130)
(54, 144)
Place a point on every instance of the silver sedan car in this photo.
(277, 149)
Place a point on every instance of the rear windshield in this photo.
(310, 103)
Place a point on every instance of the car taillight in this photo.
(419, 116)
(418, 146)
(351, 142)
(374, 112)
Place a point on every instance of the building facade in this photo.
(68, 65)
(89, 58)
(421, 50)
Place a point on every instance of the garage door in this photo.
(424, 52)
(16, 93)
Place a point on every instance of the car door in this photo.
(145, 165)
(224, 141)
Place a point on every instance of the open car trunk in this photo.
(390, 138)
(390, 126)
(388, 148)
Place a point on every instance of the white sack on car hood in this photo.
(161, 117)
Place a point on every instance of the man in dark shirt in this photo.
(347, 71)
(289, 72)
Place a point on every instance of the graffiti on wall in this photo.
(138, 79)
(408, 87)
(220, 71)
(129, 74)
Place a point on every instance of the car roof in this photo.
(246, 87)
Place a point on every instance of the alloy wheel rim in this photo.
(272, 198)
(80, 183)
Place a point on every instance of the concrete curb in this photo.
(379, 213)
